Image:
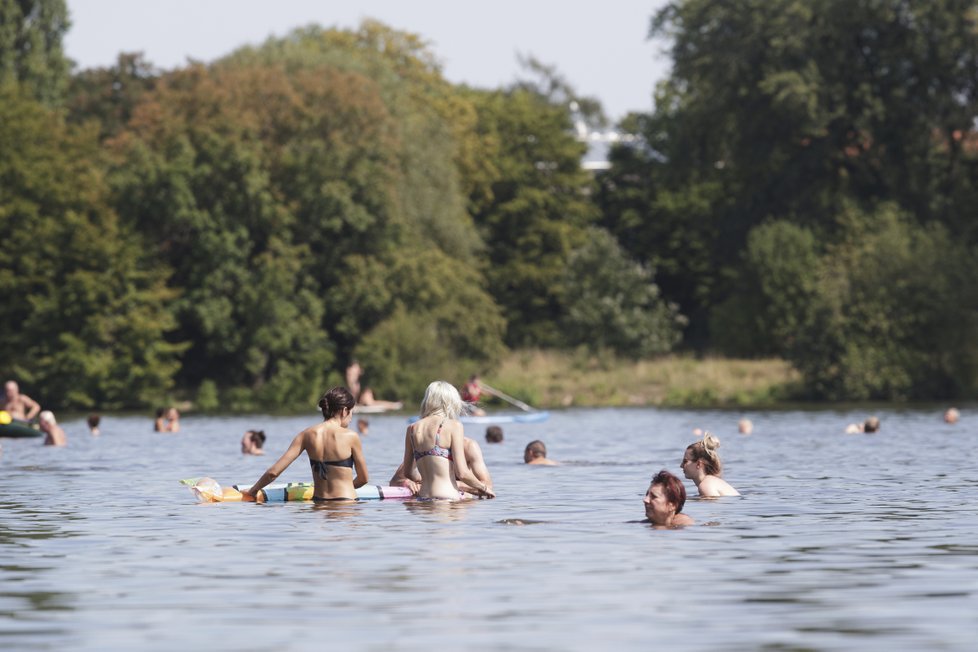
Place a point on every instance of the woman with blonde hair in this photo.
(440, 465)
(702, 465)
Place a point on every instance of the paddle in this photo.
(495, 392)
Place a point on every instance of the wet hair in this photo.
(442, 397)
(535, 449)
(494, 434)
(334, 400)
(257, 438)
(94, 420)
(872, 424)
(706, 450)
(672, 488)
(160, 412)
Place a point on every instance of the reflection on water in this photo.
(838, 541)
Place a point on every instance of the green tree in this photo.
(86, 311)
(31, 51)
(613, 302)
(109, 95)
(536, 212)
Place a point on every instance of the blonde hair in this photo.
(442, 397)
(47, 416)
(706, 450)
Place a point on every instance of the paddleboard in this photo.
(17, 429)
(522, 417)
(207, 490)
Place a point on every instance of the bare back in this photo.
(333, 453)
(435, 445)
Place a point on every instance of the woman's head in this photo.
(335, 400)
(534, 450)
(442, 398)
(703, 454)
(665, 498)
(257, 438)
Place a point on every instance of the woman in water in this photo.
(701, 464)
(664, 501)
(439, 465)
(334, 452)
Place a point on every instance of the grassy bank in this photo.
(548, 379)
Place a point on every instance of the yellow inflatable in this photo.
(5, 417)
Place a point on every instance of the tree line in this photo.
(237, 232)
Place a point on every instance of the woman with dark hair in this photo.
(334, 452)
(701, 464)
(664, 501)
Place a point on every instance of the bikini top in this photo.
(436, 450)
(320, 467)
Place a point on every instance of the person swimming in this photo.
(440, 466)
(536, 453)
(702, 465)
(333, 449)
(664, 501)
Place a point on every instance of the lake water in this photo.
(839, 542)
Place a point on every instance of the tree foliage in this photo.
(31, 51)
(85, 311)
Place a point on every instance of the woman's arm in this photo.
(275, 470)
(359, 463)
(407, 464)
(461, 466)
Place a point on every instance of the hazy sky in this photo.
(599, 47)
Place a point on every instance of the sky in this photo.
(600, 48)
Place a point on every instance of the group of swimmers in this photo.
(16, 407)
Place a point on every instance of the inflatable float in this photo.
(18, 429)
(524, 417)
(207, 490)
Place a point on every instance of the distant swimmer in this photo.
(252, 442)
(20, 407)
(494, 435)
(54, 435)
(664, 501)
(333, 449)
(536, 453)
(952, 415)
(93, 424)
(870, 425)
(745, 427)
(159, 423)
(172, 420)
(435, 444)
(701, 464)
(363, 426)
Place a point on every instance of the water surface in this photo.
(839, 542)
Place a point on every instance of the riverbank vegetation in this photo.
(235, 233)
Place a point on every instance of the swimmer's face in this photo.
(688, 465)
(657, 508)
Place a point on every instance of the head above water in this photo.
(534, 450)
(47, 416)
(952, 415)
(442, 398)
(494, 434)
(672, 488)
(94, 420)
(706, 451)
(257, 437)
(335, 400)
(872, 424)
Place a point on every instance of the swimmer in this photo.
(494, 435)
(172, 420)
(20, 407)
(536, 453)
(54, 435)
(363, 427)
(252, 442)
(333, 449)
(471, 393)
(952, 415)
(701, 464)
(745, 427)
(440, 466)
(93, 422)
(159, 424)
(664, 501)
(473, 457)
